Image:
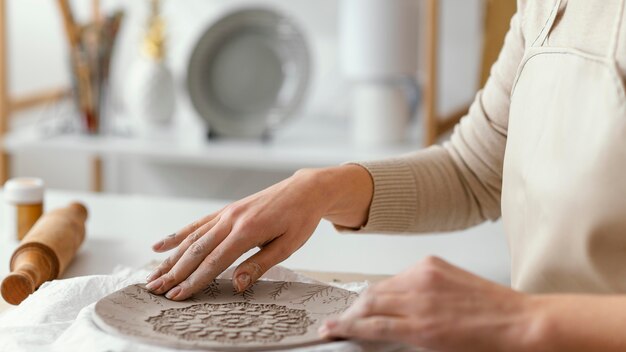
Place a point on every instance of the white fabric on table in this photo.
(58, 317)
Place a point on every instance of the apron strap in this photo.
(547, 28)
(614, 43)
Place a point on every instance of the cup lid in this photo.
(24, 190)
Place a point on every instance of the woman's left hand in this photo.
(438, 306)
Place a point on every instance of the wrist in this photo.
(343, 192)
(534, 327)
(319, 187)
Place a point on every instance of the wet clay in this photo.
(269, 315)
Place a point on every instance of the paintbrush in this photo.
(81, 66)
(96, 11)
(70, 25)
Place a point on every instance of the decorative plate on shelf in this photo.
(248, 72)
(269, 315)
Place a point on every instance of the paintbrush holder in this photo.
(86, 86)
(90, 63)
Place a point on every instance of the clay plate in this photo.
(269, 315)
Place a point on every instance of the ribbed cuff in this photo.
(394, 204)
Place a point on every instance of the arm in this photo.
(444, 308)
(349, 188)
(441, 188)
(456, 185)
(278, 220)
(580, 322)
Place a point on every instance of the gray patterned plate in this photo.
(269, 315)
(248, 72)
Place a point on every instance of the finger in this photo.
(396, 284)
(190, 258)
(235, 245)
(176, 238)
(379, 328)
(429, 272)
(193, 256)
(372, 304)
(254, 267)
(169, 262)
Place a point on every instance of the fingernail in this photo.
(173, 292)
(331, 324)
(154, 285)
(243, 280)
(158, 245)
(327, 327)
(153, 275)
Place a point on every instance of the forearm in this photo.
(421, 192)
(579, 323)
(416, 193)
(345, 193)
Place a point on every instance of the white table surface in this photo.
(121, 229)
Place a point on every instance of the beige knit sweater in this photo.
(458, 185)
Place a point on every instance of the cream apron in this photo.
(564, 181)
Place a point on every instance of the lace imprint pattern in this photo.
(232, 323)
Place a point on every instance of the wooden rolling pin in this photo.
(45, 251)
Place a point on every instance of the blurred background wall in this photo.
(38, 60)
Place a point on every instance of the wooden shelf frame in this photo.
(435, 125)
(11, 104)
(496, 25)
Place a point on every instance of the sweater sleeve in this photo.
(457, 185)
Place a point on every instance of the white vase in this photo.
(378, 41)
(378, 38)
(151, 95)
(380, 115)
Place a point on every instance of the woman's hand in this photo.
(438, 306)
(279, 220)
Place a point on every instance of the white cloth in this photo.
(58, 317)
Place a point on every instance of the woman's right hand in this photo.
(279, 220)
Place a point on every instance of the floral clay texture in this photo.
(269, 315)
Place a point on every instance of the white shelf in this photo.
(288, 151)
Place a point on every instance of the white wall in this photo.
(37, 55)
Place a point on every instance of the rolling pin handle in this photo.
(45, 251)
(17, 286)
(31, 268)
